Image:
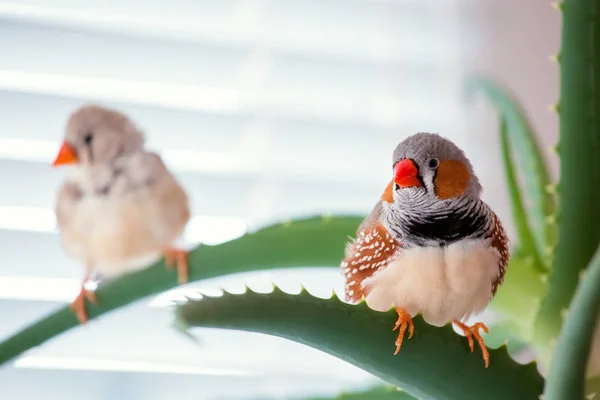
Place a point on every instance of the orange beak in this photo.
(66, 155)
(406, 174)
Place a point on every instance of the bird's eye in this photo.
(87, 139)
(434, 163)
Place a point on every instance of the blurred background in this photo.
(265, 110)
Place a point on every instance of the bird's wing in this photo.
(501, 243)
(160, 197)
(370, 251)
(373, 218)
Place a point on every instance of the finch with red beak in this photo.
(430, 245)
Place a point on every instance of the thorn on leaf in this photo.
(554, 108)
(551, 188)
(564, 312)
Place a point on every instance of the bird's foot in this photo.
(180, 257)
(404, 321)
(473, 331)
(78, 305)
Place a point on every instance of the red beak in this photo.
(66, 155)
(406, 174)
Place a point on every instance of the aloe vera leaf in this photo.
(566, 376)
(505, 332)
(519, 296)
(526, 240)
(309, 242)
(377, 393)
(579, 152)
(535, 173)
(434, 364)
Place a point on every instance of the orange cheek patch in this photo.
(388, 196)
(451, 179)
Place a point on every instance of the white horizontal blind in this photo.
(263, 109)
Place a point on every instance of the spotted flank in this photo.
(501, 243)
(372, 250)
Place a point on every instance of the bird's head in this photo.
(96, 135)
(428, 169)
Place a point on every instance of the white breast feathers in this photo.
(441, 283)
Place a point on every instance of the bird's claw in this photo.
(180, 258)
(78, 305)
(473, 331)
(404, 321)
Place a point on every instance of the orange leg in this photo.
(78, 305)
(473, 331)
(180, 256)
(404, 321)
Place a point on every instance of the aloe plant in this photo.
(317, 241)
(376, 393)
(566, 376)
(527, 274)
(557, 236)
(362, 336)
(564, 220)
(578, 216)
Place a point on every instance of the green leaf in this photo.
(526, 240)
(434, 364)
(535, 173)
(579, 150)
(377, 393)
(566, 377)
(519, 296)
(310, 242)
(505, 332)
